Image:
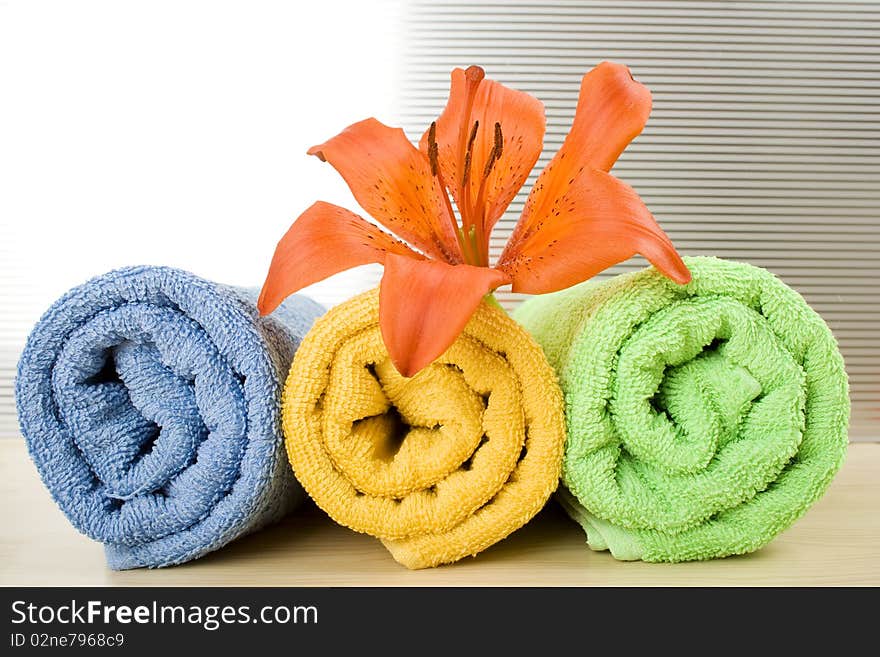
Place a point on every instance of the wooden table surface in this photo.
(836, 543)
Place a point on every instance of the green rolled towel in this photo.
(702, 419)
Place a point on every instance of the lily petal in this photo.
(392, 181)
(425, 305)
(612, 110)
(521, 118)
(596, 222)
(324, 240)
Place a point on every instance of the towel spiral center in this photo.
(699, 386)
(395, 435)
(157, 390)
(425, 452)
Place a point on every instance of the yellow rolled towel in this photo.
(441, 465)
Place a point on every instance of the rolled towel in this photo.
(702, 419)
(149, 400)
(441, 465)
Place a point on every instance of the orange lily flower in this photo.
(578, 219)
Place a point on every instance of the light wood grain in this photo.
(836, 543)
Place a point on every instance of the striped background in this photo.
(763, 142)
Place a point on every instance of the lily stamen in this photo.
(433, 160)
(468, 154)
(433, 149)
(494, 156)
(495, 153)
(467, 206)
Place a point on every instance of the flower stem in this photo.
(492, 301)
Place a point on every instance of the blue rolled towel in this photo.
(149, 400)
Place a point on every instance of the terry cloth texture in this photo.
(702, 419)
(441, 465)
(149, 400)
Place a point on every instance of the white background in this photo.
(173, 132)
(169, 132)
